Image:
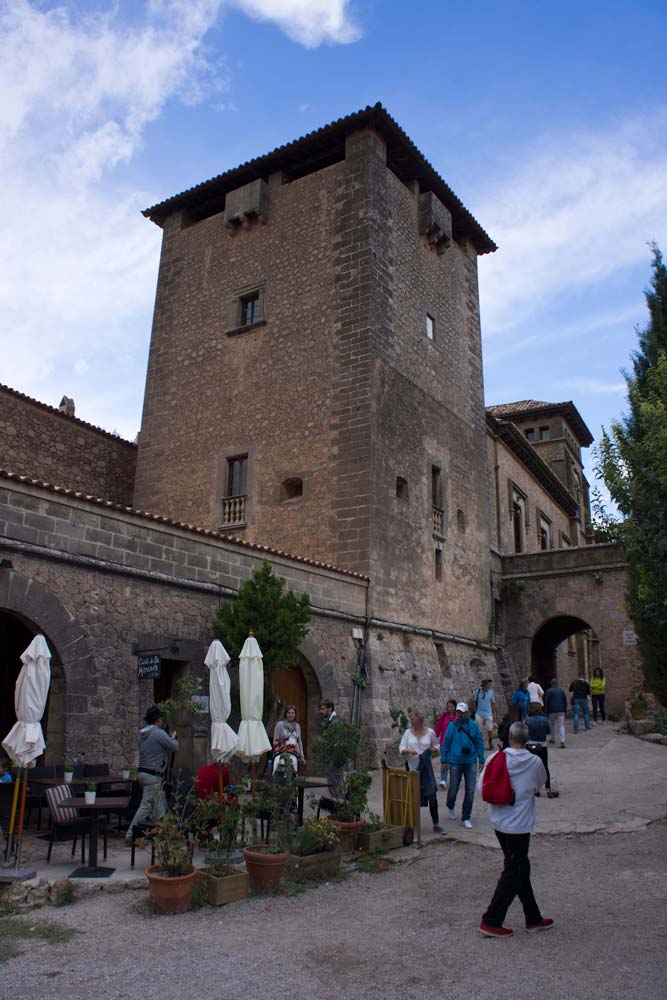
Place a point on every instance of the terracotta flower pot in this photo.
(264, 870)
(170, 893)
(348, 832)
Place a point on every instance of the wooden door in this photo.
(290, 688)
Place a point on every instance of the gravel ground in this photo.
(380, 936)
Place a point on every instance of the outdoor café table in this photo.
(92, 869)
(302, 784)
(97, 779)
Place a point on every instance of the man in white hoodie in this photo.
(514, 825)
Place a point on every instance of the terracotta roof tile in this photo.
(207, 197)
(536, 407)
(59, 413)
(161, 519)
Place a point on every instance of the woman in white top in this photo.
(417, 739)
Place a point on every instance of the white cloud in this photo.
(570, 214)
(309, 22)
(78, 264)
(587, 386)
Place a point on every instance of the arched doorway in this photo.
(299, 686)
(16, 634)
(563, 647)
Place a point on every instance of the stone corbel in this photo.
(435, 222)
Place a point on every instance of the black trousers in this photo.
(598, 703)
(543, 754)
(433, 809)
(514, 881)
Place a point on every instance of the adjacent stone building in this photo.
(314, 396)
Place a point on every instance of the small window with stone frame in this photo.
(544, 433)
(430, 326)
(250, 309)
(530, 434)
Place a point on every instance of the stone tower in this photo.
(315, 370)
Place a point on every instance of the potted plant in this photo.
(273, 801)
(90, 793)
(221, 881)
(69, 774)
(638, 706)
(125, 773)
(378, 836)
(315, 848)
(171, 879)
(348, 817)
(341, 748)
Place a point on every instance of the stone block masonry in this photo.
(39, 441)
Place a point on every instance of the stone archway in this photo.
(40, 611)
(546, 642)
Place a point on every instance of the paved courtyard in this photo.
(599, 870)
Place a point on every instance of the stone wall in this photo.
(510, 470)
(578, 587)
(41, 442)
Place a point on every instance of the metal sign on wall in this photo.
(148, 667)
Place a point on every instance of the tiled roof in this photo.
(320, 148)
(161, 519)
(535, 407)
(516, 441)
(59, 413)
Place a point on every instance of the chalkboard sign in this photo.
(148, 667)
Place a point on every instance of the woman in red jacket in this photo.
(440, 729)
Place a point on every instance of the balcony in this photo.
(438, 521)
(234, 511)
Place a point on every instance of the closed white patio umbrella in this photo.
(25, 740)
(253, 741)
(223, 738)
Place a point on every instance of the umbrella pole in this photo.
(12, 815)
(220, 779)
(19, 837)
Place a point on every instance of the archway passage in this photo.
(16, 634)
(544, 650)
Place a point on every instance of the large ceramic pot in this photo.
(170, 893)
(264, 870)
(348, 833)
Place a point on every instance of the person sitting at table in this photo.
(287, 740)
(5, 774)
(207, 782)
(155, 748)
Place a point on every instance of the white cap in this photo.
(461, 707)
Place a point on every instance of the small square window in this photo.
(430, 327)
(250, 309)
(544, 433)
(530, 434)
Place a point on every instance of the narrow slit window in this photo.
(430, 326)
(438, 564)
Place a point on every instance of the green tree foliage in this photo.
(278, 619)
(632, 460)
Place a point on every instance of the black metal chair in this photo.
(141, 832)
(35, 797)
(66, 823)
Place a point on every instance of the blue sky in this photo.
(550, 125)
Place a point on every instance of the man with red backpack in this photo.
(513, 824)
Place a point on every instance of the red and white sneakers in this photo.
(495, 932)
(544, 925)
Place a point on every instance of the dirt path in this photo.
(381, 936)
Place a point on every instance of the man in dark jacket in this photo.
(580, 692)
(555, 707)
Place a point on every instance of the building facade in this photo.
(314, 396)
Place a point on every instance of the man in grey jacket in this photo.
(155, 747)
(513, 825)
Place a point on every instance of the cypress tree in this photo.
(632, 461)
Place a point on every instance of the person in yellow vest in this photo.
(598, 690)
